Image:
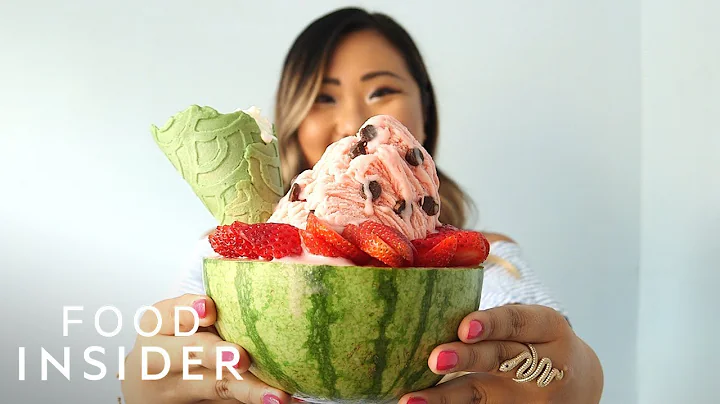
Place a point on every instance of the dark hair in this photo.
(302, 76)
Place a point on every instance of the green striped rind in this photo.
(340, 334)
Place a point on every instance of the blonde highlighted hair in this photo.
(302, 76)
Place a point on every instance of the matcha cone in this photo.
(231, 161)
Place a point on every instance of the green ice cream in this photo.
(231, 161)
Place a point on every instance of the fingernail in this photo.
(475, 329)
(199, 306)
(416, 400)
(270, 399)
(447, 360)
(228, 356)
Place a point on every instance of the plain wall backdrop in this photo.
(679, 275)
(540, 112)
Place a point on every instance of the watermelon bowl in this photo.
(340, 334)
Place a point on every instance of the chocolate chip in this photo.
(358, 149)
(368, 133)
(429, 205)
(375, 189)
(414, 157)
(399, 206)
(294, 192)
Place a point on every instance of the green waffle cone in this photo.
(226, 162)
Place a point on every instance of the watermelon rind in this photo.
(340, 334)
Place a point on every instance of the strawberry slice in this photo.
(225, 240)
(440, 255)
(396, 240)
(260, 240)
(422, 245)
(374, 262)
(317, 245)
(373, 245)
(472, 249)
(271, 240)
(321, 229)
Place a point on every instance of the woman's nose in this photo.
(349, 121)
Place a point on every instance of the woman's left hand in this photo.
(490, 338)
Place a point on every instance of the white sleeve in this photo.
(191, 278)
(508, 279)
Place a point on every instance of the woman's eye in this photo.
(382, 92)
(324, 99)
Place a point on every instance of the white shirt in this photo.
(507, 278)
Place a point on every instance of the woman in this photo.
(344, 68)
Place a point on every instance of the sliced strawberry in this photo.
(272, 240)
(260, 240)
(472, 249)
(432, 239)
(225, 239)
(320, 228)
(396, 240)
(373, 245)
(374, 262)
(440, 255)
(422, 245)
(317, 245)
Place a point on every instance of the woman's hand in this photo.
(489, 338)
(172, 388)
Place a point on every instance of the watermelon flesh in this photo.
(340, 334)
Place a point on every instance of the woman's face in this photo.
(366, 76)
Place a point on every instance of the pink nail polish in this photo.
(228, 356)
(447, 360)
(199, 306)
(270, 399)
(416, 400)
(475, 329)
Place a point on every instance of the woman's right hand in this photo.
(172, 388)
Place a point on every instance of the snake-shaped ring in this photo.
(531, 368)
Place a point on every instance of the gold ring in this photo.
(531, 368)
